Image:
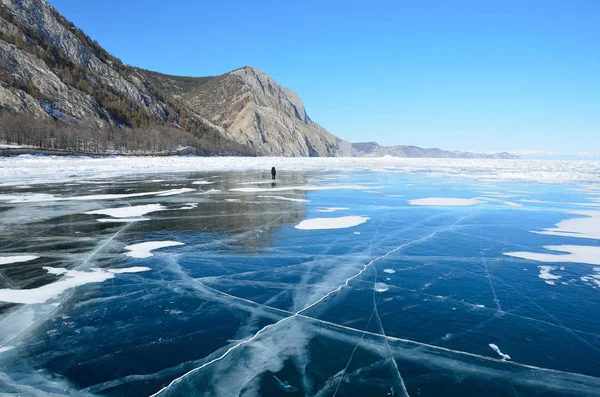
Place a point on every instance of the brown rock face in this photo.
(254, 110)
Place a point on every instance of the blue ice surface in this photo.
(249, 297)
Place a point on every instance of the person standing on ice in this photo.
(273, 172)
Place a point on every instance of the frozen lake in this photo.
(178, 277)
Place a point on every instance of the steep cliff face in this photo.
(254, 110)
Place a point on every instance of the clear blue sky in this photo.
(473, 75)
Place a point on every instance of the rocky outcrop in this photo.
(373, 149)
(254, 110)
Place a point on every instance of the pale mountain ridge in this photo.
(373, 149)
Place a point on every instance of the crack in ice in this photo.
(299, 313)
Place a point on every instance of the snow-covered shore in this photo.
(29, 169)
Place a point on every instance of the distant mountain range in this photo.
(60, 90)
(373, 149)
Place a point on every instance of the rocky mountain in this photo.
(373, 149)
(254, 110)
(51, 69)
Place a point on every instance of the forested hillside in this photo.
(55, 80)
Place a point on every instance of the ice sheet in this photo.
(34, 169)
(331, 223)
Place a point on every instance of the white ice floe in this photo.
(497, 350)
(70, 279)
(332, 209)
(174, 192)
(585, 226)
(389, 271)
(233, 200)
(297, 200)
(202, 183)
(5, 260)
(304, 188)
(42, 197)
(188, 206)
(331, 223)
(122, 220)
(547, 276)
(129, 211)
(445, 202)
(143, 250)
(572, 254)
(381, 287)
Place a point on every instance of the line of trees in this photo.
(25, 130)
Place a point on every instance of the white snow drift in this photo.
(144, 250)
(445, 201)
(331, 223)
(5, 260)
(71, 279)
(128, 214)
(573, 254)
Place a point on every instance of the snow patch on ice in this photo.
(5, 260)
(331, 223)
(546, 275)
(297, 200)
(332, 209)
(174, 192)
(121, 220)
(143, 250)
(444, 202)
(127, 212)
(188, 206)
(202, 183)
(497, 350)
(587, 226)
(381, 287)
(71, 279)
(389, 271)
(574, 253)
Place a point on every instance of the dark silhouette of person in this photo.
(273, 172)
